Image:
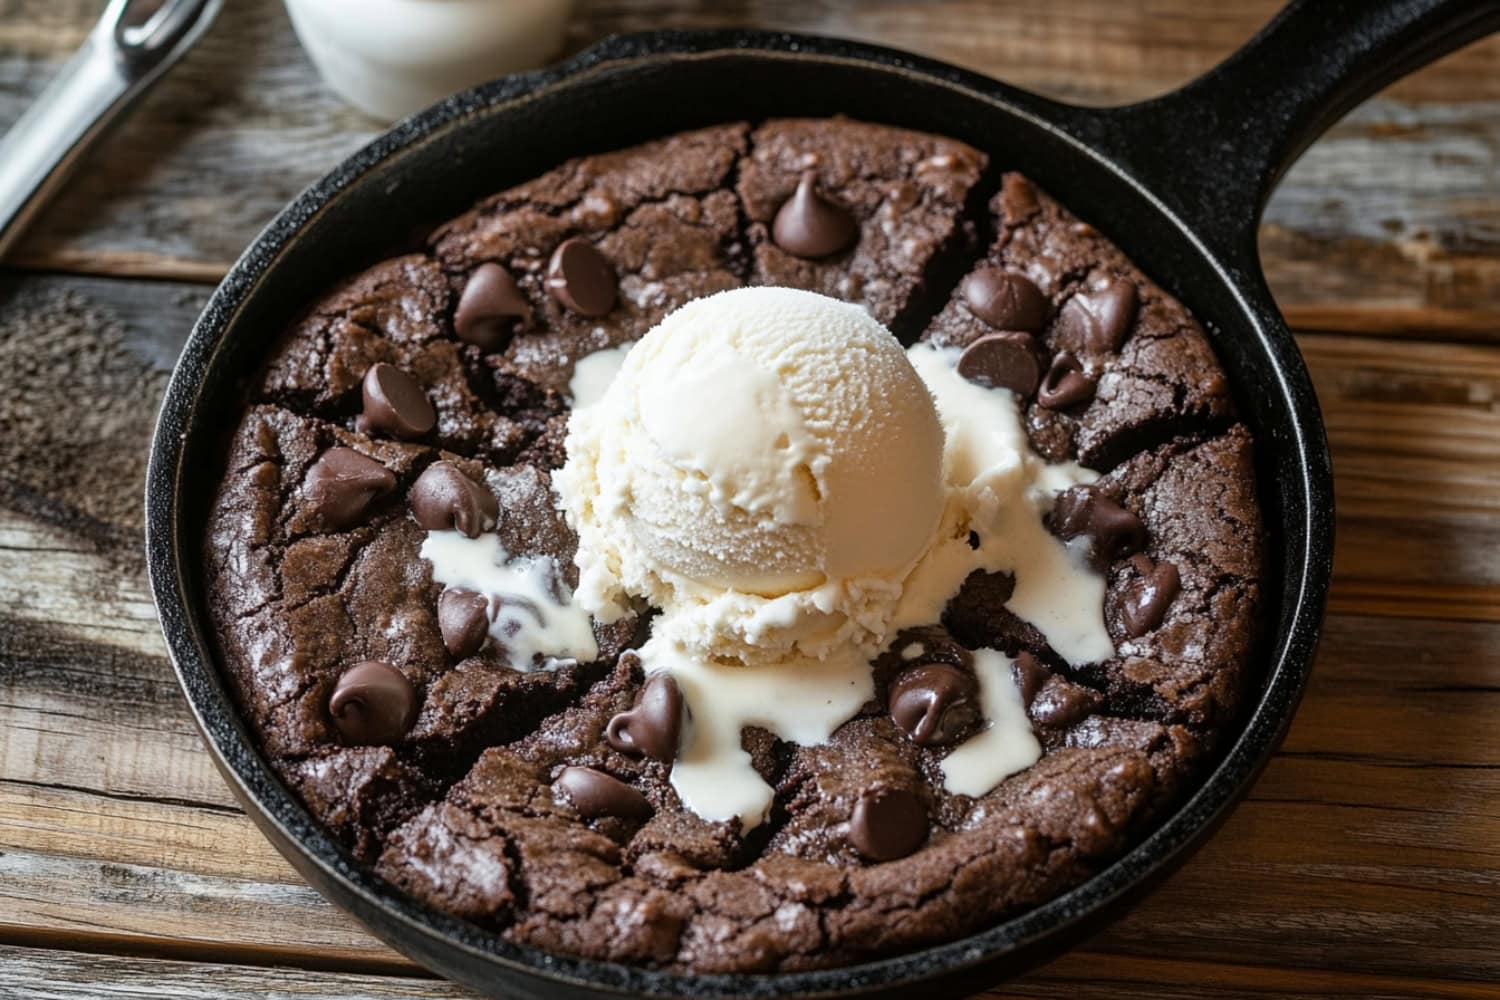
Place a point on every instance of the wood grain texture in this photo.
(1386, 223)
(1363, 863)
(71, 975)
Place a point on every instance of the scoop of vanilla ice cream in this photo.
(766, 468)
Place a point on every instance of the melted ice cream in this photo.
(531, 611)
(1006, 745)
(800, 700)
(593, 373)
(997, 489)
(1001, 490)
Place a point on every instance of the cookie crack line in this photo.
(563, 211)
(954, 260)
(1151, 435)
(742, 263)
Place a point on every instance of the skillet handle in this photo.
(1216, 148)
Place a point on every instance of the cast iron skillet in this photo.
(1178, 182)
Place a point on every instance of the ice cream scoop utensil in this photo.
(134, 43)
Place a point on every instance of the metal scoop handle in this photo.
(133, 44)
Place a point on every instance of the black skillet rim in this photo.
(270, 803)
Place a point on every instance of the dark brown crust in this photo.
(461, 814)
(1163, 382)
(906, 190)
(663, 215)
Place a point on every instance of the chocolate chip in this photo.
(1083, 510)
(888, 823)
(654, 725)
(464, 620)
(395, 403)
(1066, 384)
(808, 225)
(1115, 308)
(1018, 200)
(934, 703)
(582, 278)
(594, 793)
(490, 307)
(1030, 675)
(342, 485)
(1116, 530)
(1060, 704)
(1147, 598)
(372, 704)
(1002, 361)
(444, 499)
(1098, 321)
(1005, 300)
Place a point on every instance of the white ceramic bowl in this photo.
(390, 58)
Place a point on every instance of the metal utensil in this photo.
(132, 46)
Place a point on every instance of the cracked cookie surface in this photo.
(463, 812)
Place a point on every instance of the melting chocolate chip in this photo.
(395, 403)
(490, 307)
(1116, 530)
(1146, 600)
(372, 704)
(1030, 676)
(444, 499)
(464, 620)
(1018, 199)
(934, 703)
(808, 225)
(582, 278)
(1002, 361)
(1115, 308)
(1060, 704)
(594, 793)
(1066, 384)
(1005, 300)
(888, 823)
(1083, 510)
(654, 725)
(1098, 321)
(342, 485)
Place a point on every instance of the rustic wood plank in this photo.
(56, 901)
(1415, 433)
(159, 831)
(1093, 51)
(38, 974)
(1100, 976)
(94, 716)
(82, 665)
(1389, 222)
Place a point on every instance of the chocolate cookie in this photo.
(430, 393)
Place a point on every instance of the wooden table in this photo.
(1367, 860)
